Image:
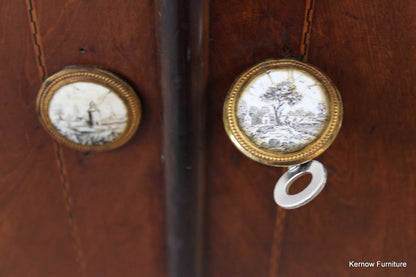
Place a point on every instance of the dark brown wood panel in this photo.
(35, 237)
(183, 43)
(118, 196)
(367, 210)
(240, 207)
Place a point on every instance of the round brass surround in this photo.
(118, 90)
(274, 158)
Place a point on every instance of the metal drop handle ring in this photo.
(285, 113)
(281, 190)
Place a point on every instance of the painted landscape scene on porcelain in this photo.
(88, 113)
(283, 110)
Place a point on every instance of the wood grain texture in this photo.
(183, 42)
(367, 210)
(118, 196)
(43, 73)
(35, 238)
(240, 208)
(365, 213)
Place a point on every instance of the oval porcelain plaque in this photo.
(282, 112)
(88, 108)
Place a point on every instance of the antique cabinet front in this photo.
(65, 212)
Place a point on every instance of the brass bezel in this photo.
(272, 158)
(73, 74)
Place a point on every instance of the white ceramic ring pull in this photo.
(281, 190)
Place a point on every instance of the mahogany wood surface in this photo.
(66, 213)
(105, 216)
(34, 236)
(367, 210)
(118, 196)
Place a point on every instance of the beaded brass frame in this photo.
(73, 74)
(268, 157)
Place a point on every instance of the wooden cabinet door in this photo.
(179, 199)
(63, 212)
(366, 213)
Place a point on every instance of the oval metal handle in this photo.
(281, 190)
